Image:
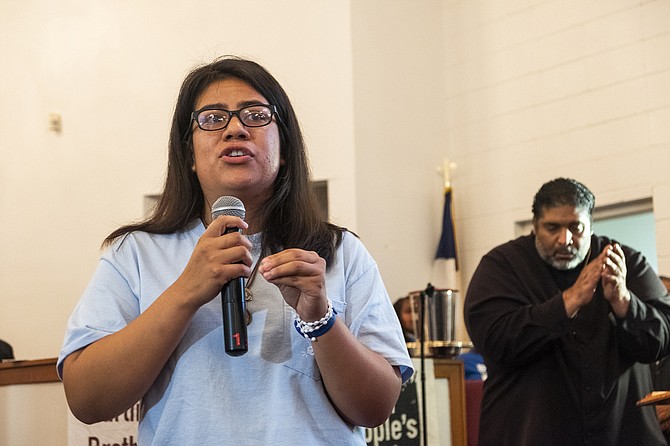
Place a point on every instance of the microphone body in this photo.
(233, 300)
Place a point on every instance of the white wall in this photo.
(401, 111)
(515, 92)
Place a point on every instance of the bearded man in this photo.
(567, 322)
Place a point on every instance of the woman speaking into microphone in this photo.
(326, 354)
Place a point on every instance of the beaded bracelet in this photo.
(312, 330)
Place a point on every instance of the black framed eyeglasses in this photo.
(211, 118)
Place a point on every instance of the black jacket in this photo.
(559, 381)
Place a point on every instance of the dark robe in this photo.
(559, 381)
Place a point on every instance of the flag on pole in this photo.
(446, 249)
(446, 263)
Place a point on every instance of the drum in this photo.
(439, 323)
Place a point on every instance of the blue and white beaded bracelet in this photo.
(312, 330)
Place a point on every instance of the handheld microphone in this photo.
(232, 294)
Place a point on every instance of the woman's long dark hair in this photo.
(291, 217)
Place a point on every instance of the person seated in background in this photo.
(6, 351)
(404, 311)
(473, 365)
(660, 375)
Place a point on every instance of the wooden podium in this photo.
(453, 371)
(438, 387)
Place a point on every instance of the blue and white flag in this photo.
(445, 267)
(446, 249)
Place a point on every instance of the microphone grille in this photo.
(227, 205)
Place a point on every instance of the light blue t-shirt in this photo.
(271, 395)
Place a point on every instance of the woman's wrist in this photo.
(313, 329)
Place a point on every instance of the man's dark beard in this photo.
(563, 265)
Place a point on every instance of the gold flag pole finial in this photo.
(447, 166)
